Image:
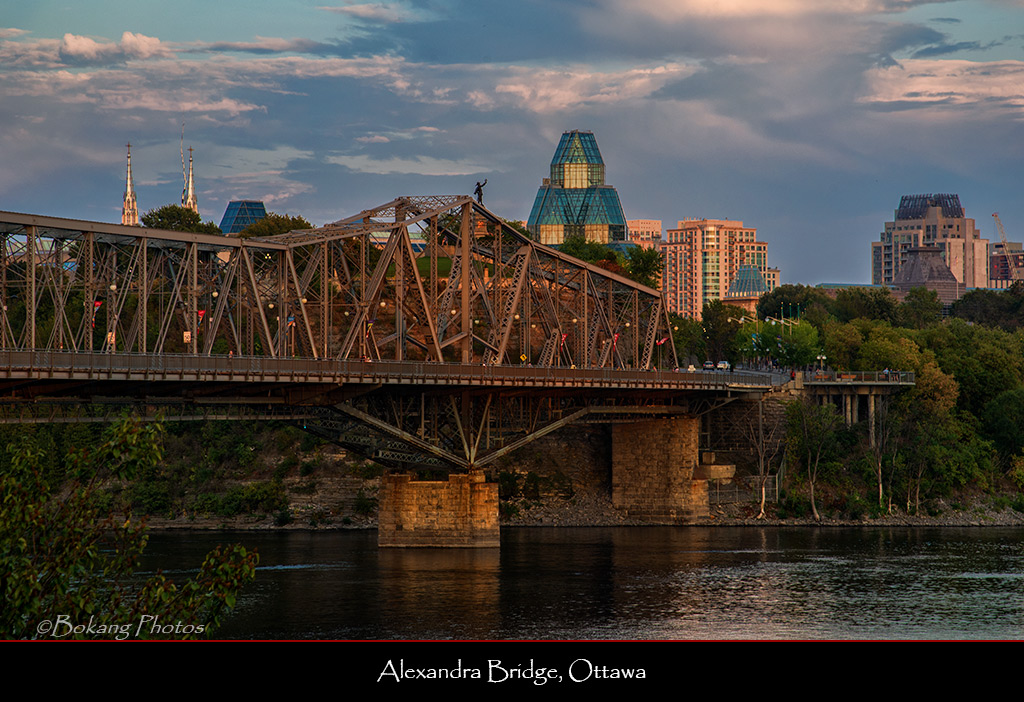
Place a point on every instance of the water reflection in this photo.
(630, 583)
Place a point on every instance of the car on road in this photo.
(722, 365)
(709, 365)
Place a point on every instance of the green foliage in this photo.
(577, 246)
(64, 563)
(178, 218)
(274, 224)
(721, 324)
(365, 504)
(508, 510)
(253, 498)
(867, 303)
(368, 470)
(688, 336)
(1003, 420)
(984, 361)
(518, 226)
(1003, 309)
(791, 345)
(644, 265)
(920, 308)
(788, 301)
(812, 438)
(508, 485)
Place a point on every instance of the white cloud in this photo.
(74, 49)
(139, 46)
(375, 139)
(948, 82)
(77, 47)
(376, 11)
(545, 90)
(672, 10)
(11, 32)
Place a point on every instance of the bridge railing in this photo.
(41, 364)
(882, 376)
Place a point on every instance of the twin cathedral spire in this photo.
(130, 208)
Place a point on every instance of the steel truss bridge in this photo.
(424, 331)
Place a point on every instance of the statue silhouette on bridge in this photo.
(479, 191)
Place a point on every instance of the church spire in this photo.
(129, 210)
(188, 193)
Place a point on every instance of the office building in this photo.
(932, 221)
(574, 200)
(1006, 263)
(703, 258)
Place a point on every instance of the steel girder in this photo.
(435, 279)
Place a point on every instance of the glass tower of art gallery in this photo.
(574, 200)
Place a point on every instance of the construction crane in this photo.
(1015, 274)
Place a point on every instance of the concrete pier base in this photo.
(653, 466)
(461, 512)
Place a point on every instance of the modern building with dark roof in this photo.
(924, 268)
(240, 214)
(574, 200)
(936, 220)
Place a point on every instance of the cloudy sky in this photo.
(804, 118)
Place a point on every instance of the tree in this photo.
(688, 337)
(854, 303)
(762, 434)
(274, 224)
(518, 226)
(920, 308)
(888, 436)
(797, 344)
(645, 265)
(67, 565)
(1004, 309)
(721, 324)
(1003, 420)
(811, 436)
(786, 300)
(179, 219)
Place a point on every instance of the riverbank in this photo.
(594, 510)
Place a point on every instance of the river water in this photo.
(628, 583)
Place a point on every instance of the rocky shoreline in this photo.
(594, 510)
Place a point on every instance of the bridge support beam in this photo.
(461, 512)
(653, 466)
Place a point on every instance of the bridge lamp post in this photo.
(821, 361)
(628, 325)
(111, 327)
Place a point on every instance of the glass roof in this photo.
(240, 214)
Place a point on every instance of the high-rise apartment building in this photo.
(645, 233)
(703, 256)
(932, 220)
(574, 200)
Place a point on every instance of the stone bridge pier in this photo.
(460, 512)
(656, 472)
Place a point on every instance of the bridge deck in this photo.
(21, 368)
